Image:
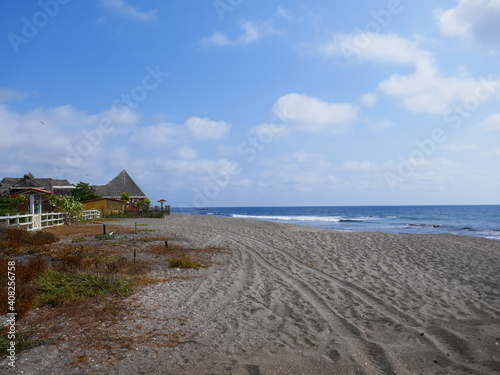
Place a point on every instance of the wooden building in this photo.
(106, 206)
(122, 183)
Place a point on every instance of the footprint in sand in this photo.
(252, 369)
(333, 355)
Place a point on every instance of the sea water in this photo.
(480, 221)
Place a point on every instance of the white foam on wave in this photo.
(335, 219)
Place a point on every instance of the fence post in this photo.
(7, 220)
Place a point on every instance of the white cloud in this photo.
(195, 128)
(304, 157)
(453, 147)
(473, 20)
(314, 115)
(187, 153)
(162, 134)
(63, 140)
(379, 125)
(270, 131)
(7, 95)
(387, 48)
(491, 124)
(206, 129)
(426, 90)
(252, 32)
(369, 99)
(121, 8)
(496, 152)
(284, 13)
(359, 166)
(193, 170)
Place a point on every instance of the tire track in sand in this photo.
(439, 343)
(369, 355)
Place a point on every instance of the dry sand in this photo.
(288, 299)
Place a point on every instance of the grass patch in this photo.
(24, 340)
(25, 293)
(79, 239)
(152, 239)
(145, 280)
(104, 237)
(185, 261)
(13, 239)
(61, 288)
(80, 285)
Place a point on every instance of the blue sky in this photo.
(256, 103)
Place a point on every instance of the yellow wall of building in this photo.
(105, 206)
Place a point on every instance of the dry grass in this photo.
(152, 239)
(183, 257)
(25, 292)
(75, 230)
(174, 248)
(66, 275)
(15, 241)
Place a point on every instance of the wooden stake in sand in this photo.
(134, 256)
(104, 229)
(135, 227)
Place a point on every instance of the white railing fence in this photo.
(46, 219)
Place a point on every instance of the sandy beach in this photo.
(284, 299)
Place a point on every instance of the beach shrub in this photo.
(71, 205)
(132, 214)
(25, 293)
(185, 261)
(24, 341)
(60, 288)
(14, 238)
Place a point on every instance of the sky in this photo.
(256, 103)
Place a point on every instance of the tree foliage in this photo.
(13, 205)
(143, 205)
(125, 197)
(83, 192)
(67, 204)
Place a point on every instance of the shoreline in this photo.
(473, 220)
(292, 299)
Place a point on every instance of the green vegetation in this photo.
(61, 288)
(71, 205)
(126, 197)
(132, 214)
(104, 237)
(13, 205)
(24, 340)
(185, 261)
(83, 192)
(62, 277)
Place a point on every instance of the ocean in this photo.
(479, 221)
